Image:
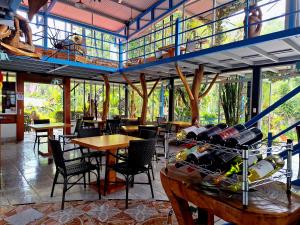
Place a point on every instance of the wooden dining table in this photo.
(49, 127)
(133, 128)
(269, 204)
(108, 143)
(179, 124)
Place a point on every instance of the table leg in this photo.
(179, 205)
(49, 153)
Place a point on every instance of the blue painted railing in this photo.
(145, 47)
(272, 107)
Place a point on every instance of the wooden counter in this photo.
(269, 205)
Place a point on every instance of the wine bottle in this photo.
(193, 134)
(204, 136)
(222, 136)
(247, 137)
(182, 155)
(181, 135)
(194, 157)
(237, 167)
(265, 168)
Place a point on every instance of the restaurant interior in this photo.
(174, 112)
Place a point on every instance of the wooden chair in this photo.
(140, 153)
(40, 133)
(70, 168)
(67, 137)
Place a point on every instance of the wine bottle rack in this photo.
(245, 154)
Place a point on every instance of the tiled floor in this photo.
(27, 178)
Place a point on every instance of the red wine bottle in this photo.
(247, 137)
(193, 134)
(222, 136)
(205, 136)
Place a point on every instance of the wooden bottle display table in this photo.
(269, 205)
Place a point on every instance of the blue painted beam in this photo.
(151, 10)
(50, 7)
(79, 64)
(13, 5)
(273, 107)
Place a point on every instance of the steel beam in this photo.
(238, 58)
(292, 44)
(264, 53)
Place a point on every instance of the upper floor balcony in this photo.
(235, 34)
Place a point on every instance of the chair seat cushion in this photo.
(124, 169)
(296, 182)
(79, 168)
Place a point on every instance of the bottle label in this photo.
(199, 154)
(228, 133)
(199, 130)
(262, 168)
(212, 131)
(226, 156)
(245, 136)
(190, 129)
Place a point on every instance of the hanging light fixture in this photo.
(80, 5)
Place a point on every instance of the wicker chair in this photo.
(113, 126)
(74, 167)
(91, 132)
(67, 137)
(140, 153)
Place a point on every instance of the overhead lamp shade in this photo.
(34, 7)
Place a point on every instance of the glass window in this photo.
(8, 92)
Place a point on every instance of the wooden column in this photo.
(107, 98)
(67, 104)
(20, 107)
(143, 94)
(194, 92)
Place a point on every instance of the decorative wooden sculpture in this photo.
(11, 39)
(254, 21)
(194, 94)
(144, 94)
(106, 101)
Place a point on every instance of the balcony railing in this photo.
(221, 25)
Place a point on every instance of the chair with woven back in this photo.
(113, 126)
(71, 168)
(67, 137)
(40, 133)
(138, 161)
(91, 132)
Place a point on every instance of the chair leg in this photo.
(34, 143)
(98, 183)
(54, 182)
(132, 181)
(127, 187)
(151, 167)
(150, 182)
(38, 144)
(84, 180)
(106, 180)
(64, 194)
